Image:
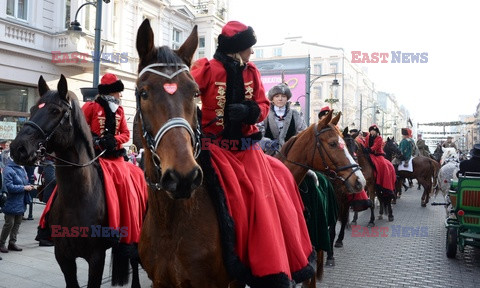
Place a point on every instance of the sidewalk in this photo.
(36, 266)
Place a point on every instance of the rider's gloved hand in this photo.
(246, 112)
(108, 142)
(237, 112)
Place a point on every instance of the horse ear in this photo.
(336, 118)
(42, 86)
(62, 88)
(388, 139)
(345, 131)
(144, 39)
(189, 47)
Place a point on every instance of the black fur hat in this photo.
(404, 131)
(236, 37)
(375, 128)
(110, 84)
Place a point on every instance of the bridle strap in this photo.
(165, 75)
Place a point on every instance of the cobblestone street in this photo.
(411, 255)
(410, 261)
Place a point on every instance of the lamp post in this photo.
(333, 87)
(75, 26)
(297, 105)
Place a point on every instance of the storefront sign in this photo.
(8, 130)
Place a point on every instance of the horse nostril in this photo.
(197, 178)
(170, 181)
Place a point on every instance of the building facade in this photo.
(35, 40)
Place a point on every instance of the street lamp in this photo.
(75, 26)
(334, 89)
(297, 105)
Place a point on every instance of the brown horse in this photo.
(320, 148)
(57, 125)
(425, 170)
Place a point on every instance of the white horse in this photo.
(448, 173)
(449, 154)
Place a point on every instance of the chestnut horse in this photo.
(425, 170)
(320, 148)
(57, 125)
(368, 170)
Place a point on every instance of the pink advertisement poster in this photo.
(296, 83)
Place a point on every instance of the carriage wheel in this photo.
(451, 243)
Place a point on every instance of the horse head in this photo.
(350, 141)
(165, 95)
(326, 153)
(449, 154)
(391, 149)
(50, 126)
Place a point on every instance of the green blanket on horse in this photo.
(321, 209)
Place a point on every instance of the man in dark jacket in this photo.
(472, 164)
(18, 188)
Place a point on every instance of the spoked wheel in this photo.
(451, 243)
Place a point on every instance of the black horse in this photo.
(57, 125)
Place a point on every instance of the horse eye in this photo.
(197, 93)
(144, 94)
(333, 144)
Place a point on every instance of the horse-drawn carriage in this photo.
(463, 224)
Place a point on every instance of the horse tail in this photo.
(121, 254)
(436, 169)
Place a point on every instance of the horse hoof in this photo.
(394, 201)
(354, 223)
(424, 205)
(330, 263)
(338, 244)
(370, 224)
(390, 218)
(380, 217)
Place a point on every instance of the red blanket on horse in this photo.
(125, 194)
(384, 172)
(265, 204)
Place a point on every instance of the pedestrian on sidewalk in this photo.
(18, 189)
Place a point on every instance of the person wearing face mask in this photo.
(262, 200)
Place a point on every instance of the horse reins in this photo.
(175, 122)
(332, 174)
(42, 150)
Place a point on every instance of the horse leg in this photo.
(135, 276)
(380, 211)
(372, 215)
(355, 218)
(390, 211)
(343, 221)
(330, 258)
(69, 269)
(96, 262)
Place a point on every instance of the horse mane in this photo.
(80, 126)
(288, 145)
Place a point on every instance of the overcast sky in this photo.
(439, 90)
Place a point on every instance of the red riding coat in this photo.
(211, 78)
(95, 116)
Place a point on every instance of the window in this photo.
(277, 52)
(201, 42)
(176, 38)
(334, 67)
(17, 8)
(318, 92)
(90, 18)
(317, 69)
(14, 103)
(67, 13)
(258, 53)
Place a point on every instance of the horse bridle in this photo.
(175, 122)
(42, 145)
(332, 174)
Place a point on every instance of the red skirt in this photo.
(384, 172)
(265, 204)
(126, 196)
